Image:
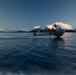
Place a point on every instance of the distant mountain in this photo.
(12, 31)
(73, 30)
(38, 30)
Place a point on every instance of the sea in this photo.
(25, 54)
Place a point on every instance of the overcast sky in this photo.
(15, 14)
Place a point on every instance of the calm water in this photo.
(24, 54)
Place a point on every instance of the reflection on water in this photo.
(56, 42)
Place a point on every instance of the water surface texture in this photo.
(25, 54)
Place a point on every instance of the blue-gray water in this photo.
(24, 54)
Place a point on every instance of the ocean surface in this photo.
(25, 54)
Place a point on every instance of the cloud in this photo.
(1, 29)
(37, 27)
(63, 25)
